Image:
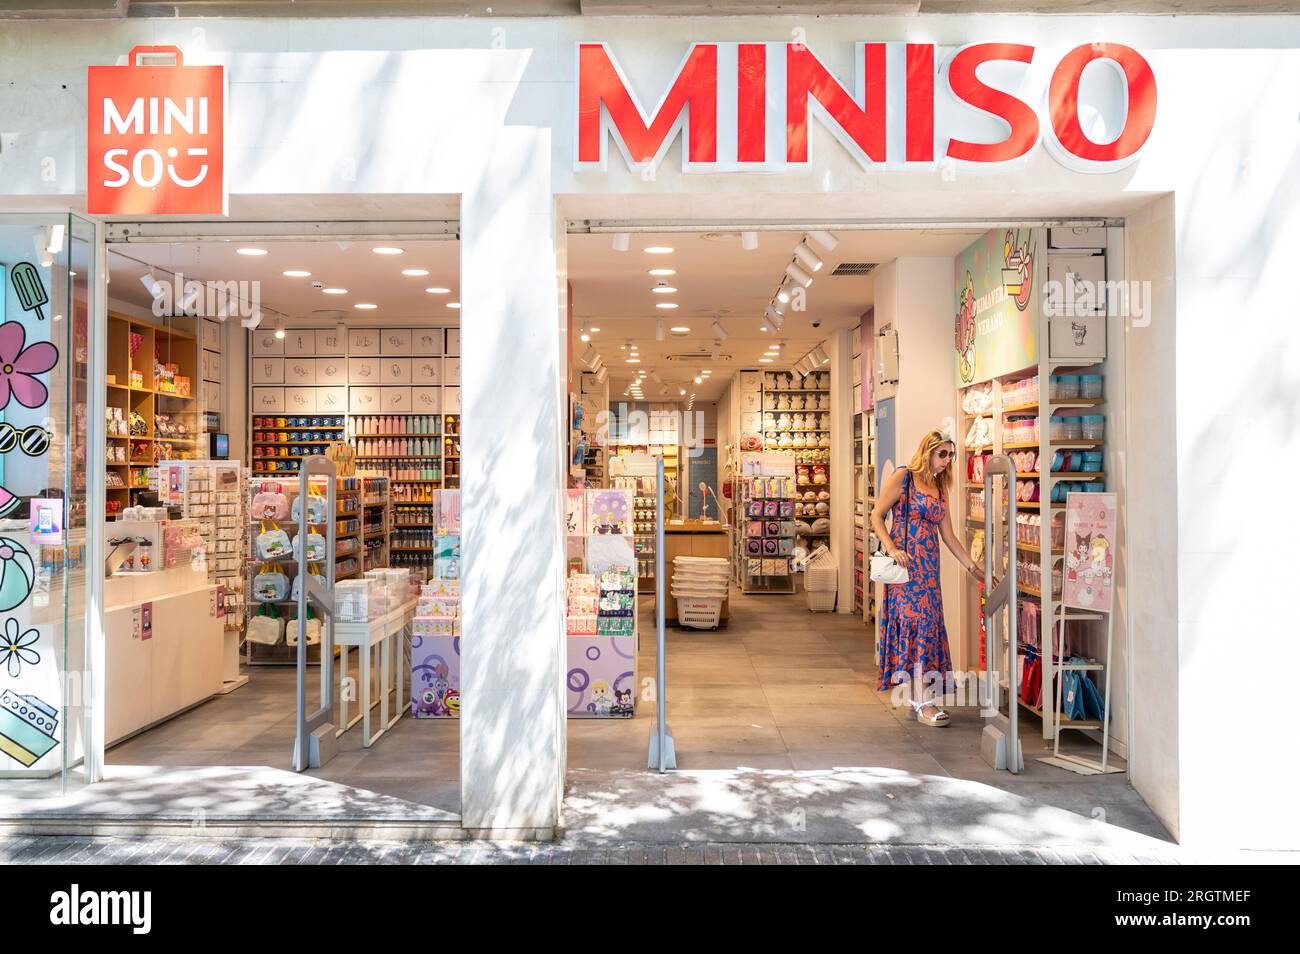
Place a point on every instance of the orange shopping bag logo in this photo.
(156, 138)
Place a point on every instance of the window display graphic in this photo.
(16, 648)
(17, 574)
(34, 441)
(27, 727)
(30, 289)
(19, 366)
(997, 312)
(47, 520)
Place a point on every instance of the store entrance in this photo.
(790, 372)
(230, 364)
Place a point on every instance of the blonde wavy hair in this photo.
(920, 463)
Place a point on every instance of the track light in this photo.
(749, 241)
(279, 328)
(717, 350)
(719, 332)
(824, 239)
(774, 316)
(621, 241)
(820, 356)
(783, 294)
(798, 275)
(654, 376)
(663, 389)
(807, 257)
(585, 332)
(601, 375)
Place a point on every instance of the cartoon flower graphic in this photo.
(19, 366)
(15, 648)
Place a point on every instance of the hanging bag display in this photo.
(314, 571)
(272, 542)
(314, 546)
(312, 628)
(270, 503)
(884, 569)
(265, 627)
(271, 584)
(315, 508)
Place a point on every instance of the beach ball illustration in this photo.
(17, 574)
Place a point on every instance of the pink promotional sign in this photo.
(1089, 552)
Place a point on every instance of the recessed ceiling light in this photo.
(663, 288)
(680, 330)
(593, 329)
(699, 380)
(632, 360)
(659, 249)
(765, 360)
(438, 291)
(251, 251)
(335, 291)
(415, 272)
(296, 273)
(453, 304)
(387, 250)
(666, 304)
(658, 272)
(365, 306)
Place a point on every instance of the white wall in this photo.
(915, 296)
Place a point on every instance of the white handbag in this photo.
(884, 569)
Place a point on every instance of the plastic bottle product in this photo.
(1093, 427)
(1091, 386)
(1069, 386)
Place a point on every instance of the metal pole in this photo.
(1004, 597)
(661, 665)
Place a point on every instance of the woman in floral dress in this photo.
(913, 642)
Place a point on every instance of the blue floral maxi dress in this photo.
(912, 632)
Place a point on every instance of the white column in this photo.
(512, 393)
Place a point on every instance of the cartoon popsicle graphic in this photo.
(29, 289)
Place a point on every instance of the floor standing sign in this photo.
(156, 137)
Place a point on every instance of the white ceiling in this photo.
(368, 277)
(718, 280)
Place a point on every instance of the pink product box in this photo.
(449, 510)
(437, 606)
(582, 625)
(582, 584)
(441, 589)
(583, 605)
(426, 626)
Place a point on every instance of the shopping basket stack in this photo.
(821, 581)
(699, 587)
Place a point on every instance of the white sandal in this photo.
(938, 720)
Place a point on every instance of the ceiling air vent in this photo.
(852, 269)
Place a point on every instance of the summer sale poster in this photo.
(996, 305)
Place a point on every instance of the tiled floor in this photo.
(776, 693)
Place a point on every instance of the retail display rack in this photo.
(797, 420)
(765, 537)
(152, 409)
(347, 558)
(1050, 419)
(392, 393)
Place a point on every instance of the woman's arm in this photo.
(955, 547)
(889, 495)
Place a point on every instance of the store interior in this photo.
(679, 327)
(779, 375)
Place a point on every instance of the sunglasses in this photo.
(945, 454)
(32, 441)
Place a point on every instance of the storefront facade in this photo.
(345, 120)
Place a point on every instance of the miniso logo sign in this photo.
(123, 908)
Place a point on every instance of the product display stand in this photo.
(385, 632)
(1074, 609)
(316, 742)
(765, 524)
